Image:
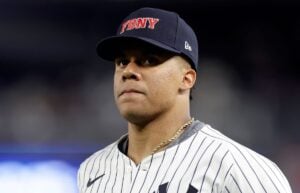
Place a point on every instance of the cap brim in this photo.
(110, 47)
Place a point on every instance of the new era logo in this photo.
(187, 46)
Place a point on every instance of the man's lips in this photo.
(130, 91)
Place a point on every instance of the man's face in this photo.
(146, 83)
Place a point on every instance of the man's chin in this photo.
(136, 117)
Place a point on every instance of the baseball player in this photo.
(166, 150)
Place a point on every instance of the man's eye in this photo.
(121, 62)
(151, 61)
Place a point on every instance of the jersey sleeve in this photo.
(257, 175)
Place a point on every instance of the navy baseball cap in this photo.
(157, 27)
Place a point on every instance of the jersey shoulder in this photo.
(98, 154)
(231, 145)
(91, 164)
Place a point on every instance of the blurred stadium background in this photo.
(56, 103)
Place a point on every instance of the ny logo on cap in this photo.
(138, 23)
(187, 46)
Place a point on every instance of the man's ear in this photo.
(188, 79)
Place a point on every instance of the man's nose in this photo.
(131, 71)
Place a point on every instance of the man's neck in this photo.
(143, 140)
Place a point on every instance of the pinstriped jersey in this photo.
(206, 162)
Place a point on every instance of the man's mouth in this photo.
(130, 91)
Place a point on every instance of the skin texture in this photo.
(151, 89)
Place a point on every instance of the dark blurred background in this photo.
(56, 96)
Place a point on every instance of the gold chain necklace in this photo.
(176, 135)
